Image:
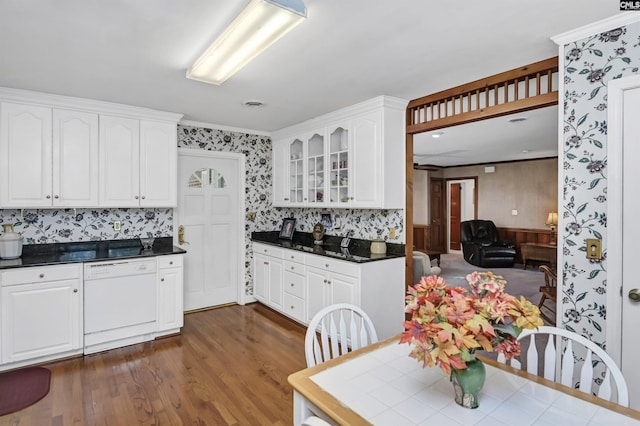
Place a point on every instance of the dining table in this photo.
(381, 384)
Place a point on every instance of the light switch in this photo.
(594, 248)
(392, 233)
(117, 225)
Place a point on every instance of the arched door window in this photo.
(207, 178)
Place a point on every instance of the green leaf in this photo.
(581, 208)
(570, 70)
(594, 183)
(626, 60)
(596, 325)
(570, 156)
(597, 143)
(581, 296)
(585, 71)
(583, 119)
(594, 92)
(597, 235)
(597, 52)
(593, 274)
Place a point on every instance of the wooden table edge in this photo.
(302, 383)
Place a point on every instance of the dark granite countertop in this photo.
(88, 251)
(358, 250)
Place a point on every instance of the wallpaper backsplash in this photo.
(68, 225)
(589, 64)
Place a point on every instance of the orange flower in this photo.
(448, 324)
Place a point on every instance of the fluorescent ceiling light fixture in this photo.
(258, 26)
(437, 134)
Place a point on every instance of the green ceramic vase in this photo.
(468, 382)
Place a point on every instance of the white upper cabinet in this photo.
(119, 161)
(49, 157)
(351, 158)
(158, 164)
(58, 151)
(25, 155)
(75, 158)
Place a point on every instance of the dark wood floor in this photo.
(228, 367)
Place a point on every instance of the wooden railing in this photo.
(521, 89)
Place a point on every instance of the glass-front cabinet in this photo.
(296, 171)
(339, 164)
(315, 169)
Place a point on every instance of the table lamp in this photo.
(552, 221)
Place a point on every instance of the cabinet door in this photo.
(276, 278)
(339, 163)
(280, 173)
(316, 292)
(75, 158)
(119, 161)
(341, 289)
(158, 164)
(170, 309)
(365, 166)
(297, 179)
(260, 277)
(25, 156)
(41, 319)
(315, 175)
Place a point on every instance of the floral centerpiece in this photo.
(448, 324)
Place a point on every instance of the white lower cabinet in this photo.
(41, 312)
(309, 282)
(170, 309)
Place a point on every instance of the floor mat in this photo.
(22, 388)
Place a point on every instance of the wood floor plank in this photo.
(228, 367)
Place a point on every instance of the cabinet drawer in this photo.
(268, 250)
(294, 256)
(293, 306)
(331, 265)
(293, 267)
(40, 274)
(170, 261)
(294, 284)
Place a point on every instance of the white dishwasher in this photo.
(119, 303)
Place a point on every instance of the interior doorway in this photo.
(461, 205)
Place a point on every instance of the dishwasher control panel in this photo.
(100, 270)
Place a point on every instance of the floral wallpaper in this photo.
(365, 224)
(589, 64)
(68, 225)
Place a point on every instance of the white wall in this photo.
(420, 197)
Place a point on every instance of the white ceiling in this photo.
(497, 139)
(136, 52)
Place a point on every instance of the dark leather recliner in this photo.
(481, 247)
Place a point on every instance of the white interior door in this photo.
(210, 194)
(623, 313)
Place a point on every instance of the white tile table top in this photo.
(386, 387)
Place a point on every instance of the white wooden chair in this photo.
(566, 374)
(315, 421)
(341, 327)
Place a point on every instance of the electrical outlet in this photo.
(117, 225)
(392, 233)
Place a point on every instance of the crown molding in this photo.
(619, 20)
(89, 105)
(224, 128)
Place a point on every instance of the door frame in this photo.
(448, 182)
(614, 236)
(241, 296)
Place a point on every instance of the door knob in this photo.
(634, 295)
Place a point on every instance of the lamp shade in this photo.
(257, 27)
(552, 219)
